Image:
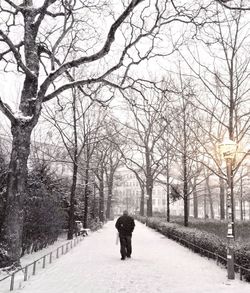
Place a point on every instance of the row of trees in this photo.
(86, 133)
(178, 125)
(54, 46)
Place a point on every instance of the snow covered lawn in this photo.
(28, 259)
(158, 265)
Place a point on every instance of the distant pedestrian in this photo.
(125, 226)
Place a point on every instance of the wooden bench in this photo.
(84, 231)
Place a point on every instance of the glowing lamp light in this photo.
(228, 148)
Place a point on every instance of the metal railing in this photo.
(219, 259)
(32, 268)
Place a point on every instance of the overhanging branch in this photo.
(100, 54)
(224, 4)
(6, 111)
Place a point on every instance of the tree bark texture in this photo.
(110, 182)
(210, 199)
(11, 234)
(142, 203)
(72, 203)
(149, 184)
(101, 200)
(195, 200)
(86, 187)
(71, 223)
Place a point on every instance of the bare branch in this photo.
(224, 3)
(7, 111)
(13, 5)
(100, 54)
(17, 55)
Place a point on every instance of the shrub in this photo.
(217, 227)
(202, 242)
(44, 215)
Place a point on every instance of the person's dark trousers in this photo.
(126, 248)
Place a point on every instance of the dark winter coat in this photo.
(125, 225)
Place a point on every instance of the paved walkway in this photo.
(158, 265)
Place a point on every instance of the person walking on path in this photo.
(125, 226)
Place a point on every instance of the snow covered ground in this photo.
(28, 259)
(158, 265)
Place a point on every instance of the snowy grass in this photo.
(203, 242)
(218, 227)
(29, 258)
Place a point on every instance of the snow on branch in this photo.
(16, 54)
(100, 54)
(13, 116)
(69, 86)
(21, 117)
(7, 111)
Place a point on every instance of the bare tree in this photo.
(145, 131)
(186, 148)
(71, 118)
(113, 161)
(224, 82)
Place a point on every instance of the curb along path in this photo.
(157, 265)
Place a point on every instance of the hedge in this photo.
(202, 242)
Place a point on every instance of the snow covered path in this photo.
(158, 265)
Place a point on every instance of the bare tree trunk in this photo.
(108, 208)
(72, 203)
(86, 195)
(241, 200)
(86, 184)
(185, 191)
(168, 202)
(149, 184)
(185, 182)
(195, 199)
(110, 183)
(168, 188)
(244, 210)
(149, 201)
(142, 202)
(205, 206)
(11, 234)
(75, 171)
(21, 128)
(101, 199)
(185, 211)
(210, 198)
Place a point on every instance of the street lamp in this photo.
(228, 149)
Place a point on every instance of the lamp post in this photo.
(228, 149)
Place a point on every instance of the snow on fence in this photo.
(24, 273)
